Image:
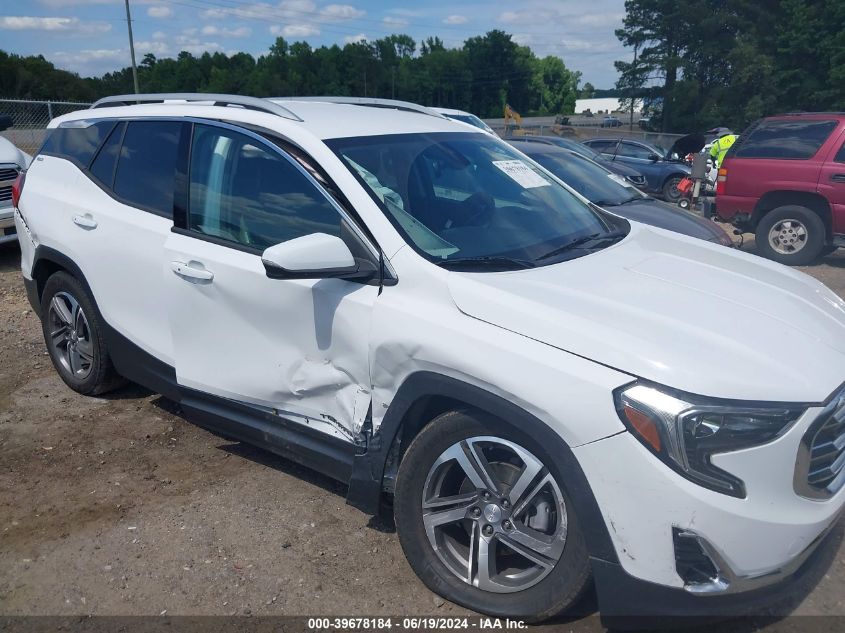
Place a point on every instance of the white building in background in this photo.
(603, 105)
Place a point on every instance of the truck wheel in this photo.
(485, 520)
(791, 235)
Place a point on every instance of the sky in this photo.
(89, 36)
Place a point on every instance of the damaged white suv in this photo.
(420, 311)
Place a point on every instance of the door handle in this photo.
(838, 177)
(86, 221)
(186, 270)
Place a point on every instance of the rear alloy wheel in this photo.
(485, 523)
(670, 188)
(74, 336)
(791, 235)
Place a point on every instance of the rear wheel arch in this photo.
(48, 261)
(774, 199)
(426, 395)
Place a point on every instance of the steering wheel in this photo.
(480, 207)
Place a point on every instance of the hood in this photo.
(689, 144)
(672, 218)
(681, 312)
(11, 154)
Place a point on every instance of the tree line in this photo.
(705, 63)
(482, 75)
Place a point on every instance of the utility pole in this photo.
(633, 86)
(132, 48)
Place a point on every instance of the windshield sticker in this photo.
(522, 173)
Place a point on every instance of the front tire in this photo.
(74, 335)
(485, 520)
(791, 235)
(670, 188)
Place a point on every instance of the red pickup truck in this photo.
(784, 180)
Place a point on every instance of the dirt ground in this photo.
(118, 506)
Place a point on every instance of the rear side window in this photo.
(103, 166)
(146, 171)
(791, 139)
(78, 143)
(840, 155)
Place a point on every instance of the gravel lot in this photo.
(118, 506)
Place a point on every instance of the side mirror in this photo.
(5, 122)
(315, 256)
(653, 158)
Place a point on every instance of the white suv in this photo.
(419, 310)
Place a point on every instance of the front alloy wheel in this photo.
(494, 515)
(485, 520)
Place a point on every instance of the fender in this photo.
(368, 469)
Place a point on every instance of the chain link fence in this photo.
(30, 119)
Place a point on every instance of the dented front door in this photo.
(298, 347)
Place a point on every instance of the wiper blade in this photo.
(593, 241)
(492, 261)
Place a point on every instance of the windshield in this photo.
(472, 120)
(458, 196)
(592, 181)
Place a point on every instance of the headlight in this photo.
(685, 431)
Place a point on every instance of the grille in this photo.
(822, 457)
(7, 178)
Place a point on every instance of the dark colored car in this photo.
(662, 171)
(784, 180)
(606, 190)
(611, 121)
(629, 173)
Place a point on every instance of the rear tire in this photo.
(791, 235)
(75, 337)
(515, 585)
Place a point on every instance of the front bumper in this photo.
(754, 542)
(626, 602)
(8, 232)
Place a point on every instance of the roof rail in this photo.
(368, 101)
(250, 103)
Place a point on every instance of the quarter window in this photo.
(103, 166)
(146, 170)
(78, 143)
(840, 155)
(795, 139)
(245, 193)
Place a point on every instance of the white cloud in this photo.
(59, 25)
(456, 19)
(156, 47)
(351, 39)
(295, 30)
(159, 11)
(391, 21)
(341, 12)
(159, 35)
(241, 31)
